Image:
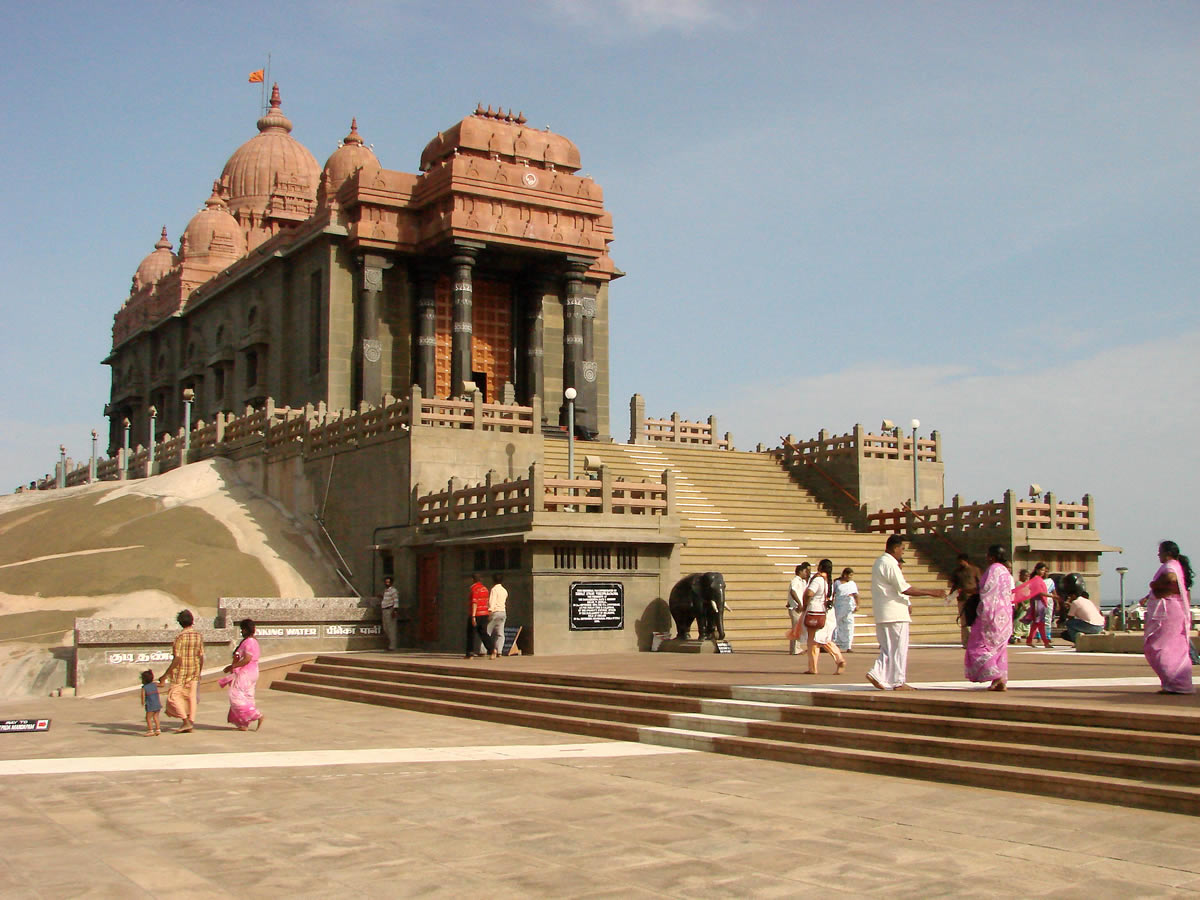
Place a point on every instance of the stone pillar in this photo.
(533, 382)
(370, 346)
(574, 371)
(461, 363)
(426, 345)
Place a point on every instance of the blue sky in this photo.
(983, 215)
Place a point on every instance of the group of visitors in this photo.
(183, 673)
(811, 599)
(986, 610)
(487, 614)
(989, 613)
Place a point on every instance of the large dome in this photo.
(213, 235)
(269, 158)
(347, 159)
(156, 264)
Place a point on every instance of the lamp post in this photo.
(188, 396)
(92, 467)
(916, 423)
(62, 466)
(150, 446)
(125, 449)
(1121, 570)
(570, 394)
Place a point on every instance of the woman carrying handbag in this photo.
(818, 623)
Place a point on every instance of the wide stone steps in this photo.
(743, 516)
(1152, 761)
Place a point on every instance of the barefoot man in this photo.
(184, 673)
(889, 598)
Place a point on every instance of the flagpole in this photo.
(264, 84)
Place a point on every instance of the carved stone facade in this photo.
(490, 266)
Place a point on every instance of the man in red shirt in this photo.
(477, 618)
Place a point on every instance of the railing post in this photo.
(729, 440)
(535, 414)
(668, 479)
(712, 430)
(675, 427)
(415, 399)
(1091, 511)
(450, 488)
(219, 432)
(936, 437)
(537, 489)
(606, 491)
(489, 495)
(1052, 502)
(956, 513)
(1010, 513)
(477, 410)
(637, 419)
(789, 451)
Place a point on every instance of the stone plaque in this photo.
(372, 350)
(596, 606)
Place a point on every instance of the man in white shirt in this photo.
(795, 601)
(497, 613)
(890, 591)
(389, 611)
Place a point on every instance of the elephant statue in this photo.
(699, 598)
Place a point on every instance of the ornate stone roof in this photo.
(213, 235)
(269, 161)
(156, 264)
(501, 136)
(347, 159)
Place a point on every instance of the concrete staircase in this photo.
(1150, 761)
(744, 516)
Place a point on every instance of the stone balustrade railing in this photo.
(1009, 514)
(312, 430)
(827, 448)
(493, 499)
(675, 430)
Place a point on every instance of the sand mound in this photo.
(140, 548)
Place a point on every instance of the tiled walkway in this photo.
(416, 805)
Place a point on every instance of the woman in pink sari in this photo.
(1168, 619)
(241, 678)
(987, 646)
(1037, 592)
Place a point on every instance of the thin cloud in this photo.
(643, 17)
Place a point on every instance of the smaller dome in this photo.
(504, 136)
(213, 234)
(347, 159)
(156, 264)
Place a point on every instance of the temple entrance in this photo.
(491, 344)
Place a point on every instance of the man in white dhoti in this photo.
(891, 608)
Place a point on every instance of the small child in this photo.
(151, 703)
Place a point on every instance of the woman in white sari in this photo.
(819, 625)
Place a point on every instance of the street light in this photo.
(188, 396)
(150, 447)
(570, 394)
(1121, 570)
(92, 467)
(916, 423)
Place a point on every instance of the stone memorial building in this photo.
(344, 283)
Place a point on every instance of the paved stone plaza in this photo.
(401, 804)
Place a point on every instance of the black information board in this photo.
(12, 726)
(597, 606)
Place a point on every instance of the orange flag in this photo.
(256, 77)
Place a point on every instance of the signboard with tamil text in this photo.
(12, 726)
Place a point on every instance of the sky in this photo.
(981, 215)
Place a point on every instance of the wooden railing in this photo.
(675, 430)
(1008, 513)
(493, 499)
(313, 430)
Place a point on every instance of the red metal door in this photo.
(427, 598)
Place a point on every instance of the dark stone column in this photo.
(370, 353)
(573, 359)
(461, 367)
(533, 382)
(425, 348)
